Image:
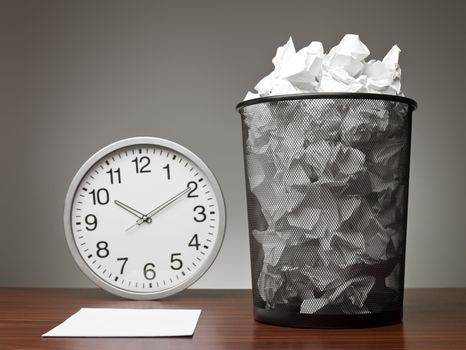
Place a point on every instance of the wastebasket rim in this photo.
(341, 95)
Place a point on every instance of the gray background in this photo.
(76, 76)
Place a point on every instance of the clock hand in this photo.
(133, 211)
(168, 202)
(160, 207)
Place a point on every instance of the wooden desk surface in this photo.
(434, 319)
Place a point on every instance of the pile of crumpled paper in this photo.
(343, 69)
(328, 181)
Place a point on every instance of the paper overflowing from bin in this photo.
(343, 69)
(328, 177)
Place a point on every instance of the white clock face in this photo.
(146, 220)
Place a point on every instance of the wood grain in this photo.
(434, 319)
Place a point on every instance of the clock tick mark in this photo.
(88, 184)
(206, 247)
(94, 261)
(188, 268)
(79, 230)
(198, 258)
(210, 233)
(107, 162)
(101, 166)
(211, 226)
(104, 271)
(109, 276)
(202, 252)
(80, 202)
(84, 189)
(174, 157)
(209, 199)
(96, 171)
(86, 250)
(150, 285)
(98, 267)
(182, 272)
(200, 180)
(116, 278)
(194, 264)
(140, 151)
(207, 192)
(209, 240)
(89, 256)
(92, 177)
(212, 213)
(80, 237)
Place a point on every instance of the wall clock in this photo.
(144, 218)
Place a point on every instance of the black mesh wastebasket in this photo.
(327, 190)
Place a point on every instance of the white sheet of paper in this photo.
(97, 322)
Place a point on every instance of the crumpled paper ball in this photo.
(342, 69)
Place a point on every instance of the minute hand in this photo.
(165, 204)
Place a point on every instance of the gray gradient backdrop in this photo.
(76, 76)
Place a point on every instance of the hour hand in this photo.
(131, 210)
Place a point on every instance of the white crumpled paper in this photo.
(329, 186)
(328, 180)
(343, 69)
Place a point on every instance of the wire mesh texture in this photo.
(327, 186)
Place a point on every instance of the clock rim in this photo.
(98, 156)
